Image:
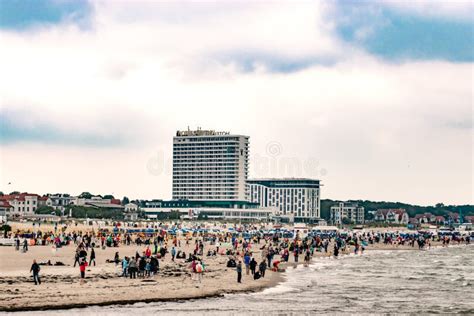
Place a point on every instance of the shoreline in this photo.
(278, 278)
(61, 288)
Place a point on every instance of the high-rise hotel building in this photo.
(210, 165)
(294, 198)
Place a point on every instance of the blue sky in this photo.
(25, 14)
(399, 35)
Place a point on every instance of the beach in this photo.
(61, 287)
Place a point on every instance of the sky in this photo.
(375, 99)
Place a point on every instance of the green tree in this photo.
(47, 210)
(109, 196)
(85, 195)
(346, 221)
(125, 200)
(6, 228)
(89, 212)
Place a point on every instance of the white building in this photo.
(244, 215)
(297, 199)
(5, 210)
(60, 201)
(393, 216)
(131, 207)
(209, 165)
(351, 211)
(21, 204)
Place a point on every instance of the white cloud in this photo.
(462, 9)
(382, 131)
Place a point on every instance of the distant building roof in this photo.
(116, 201)
(103, 205)
(4, 203)
(18, 197)
(286, 182)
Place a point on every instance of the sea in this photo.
(436, 281)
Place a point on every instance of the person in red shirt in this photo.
(82, 268)
(148, 252)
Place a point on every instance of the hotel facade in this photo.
(210, 165)
(296, 199)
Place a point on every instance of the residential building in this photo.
(296, 199)
(5, 210)
(440, 220)
(350, 211)
(131, 211)
(425, 218)
(393, 216)
(131, 207)
(22, 203)
(60, 201)
(210, 165)
(469, 219)
(453, 218)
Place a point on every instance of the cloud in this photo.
(458, 9)
(273, 72)
(28, 125)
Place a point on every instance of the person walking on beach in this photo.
(82, 269)
(76, 258)
(35, 268)
(173, 253)
(247, 263)
(92, 258)
(239, 272)
(336, 250)
(17, 242)
(262, 267)
(253, 265)
(25, 245)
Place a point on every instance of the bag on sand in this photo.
(256, 276)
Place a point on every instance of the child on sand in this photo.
(82, 269)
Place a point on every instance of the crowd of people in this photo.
(255, 254)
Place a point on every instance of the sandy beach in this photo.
(61, 287)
